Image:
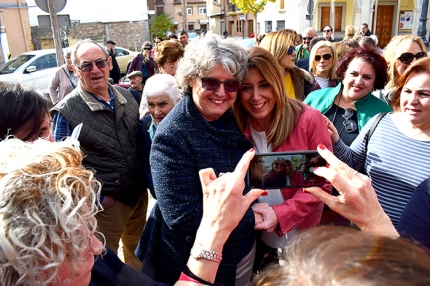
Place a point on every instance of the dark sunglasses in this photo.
(349, 124)
(147, 49)
(290, 50)
(307, 38)
(327, 31)
(157, 42)
(87, 67)
(407, 58)
(325, 56)
(231, 85)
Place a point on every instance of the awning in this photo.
(203, 21)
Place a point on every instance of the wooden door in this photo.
(384, 24)
(325, 18)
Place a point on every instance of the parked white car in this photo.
(124, 58)
(31, 69)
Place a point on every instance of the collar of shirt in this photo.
(110, 104)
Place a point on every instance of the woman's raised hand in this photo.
(357, 200)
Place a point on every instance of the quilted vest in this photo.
(109, 141)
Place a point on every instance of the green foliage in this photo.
(161, 24)
(251, 6)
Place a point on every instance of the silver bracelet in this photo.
(199, 253)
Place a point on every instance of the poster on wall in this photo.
(406, 19)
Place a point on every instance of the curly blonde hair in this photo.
(48, 203)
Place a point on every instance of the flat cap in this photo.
(134, 73)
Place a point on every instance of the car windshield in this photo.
(14, 63)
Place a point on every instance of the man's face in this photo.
(183, 39)
(364, 29)
(327, 32)
(308, 37)
(136, 82)
(97, 79)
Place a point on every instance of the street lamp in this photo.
(422, 30)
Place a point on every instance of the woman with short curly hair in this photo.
(351, 104)
(167, 55)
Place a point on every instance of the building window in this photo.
(190, 26)
(189, 10)
(203, 26)
(280, 25)
(160, 10)
(268, 25)
(202, 10)
(281, 4)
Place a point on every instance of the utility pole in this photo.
(184, 15)
(55, 33)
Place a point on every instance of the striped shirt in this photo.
(395, 163)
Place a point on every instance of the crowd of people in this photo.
(186, 131)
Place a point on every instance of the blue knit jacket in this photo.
(184, 144)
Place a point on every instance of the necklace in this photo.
(337, 107)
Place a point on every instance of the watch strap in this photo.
(199, 253)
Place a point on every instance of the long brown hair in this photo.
(286, 111)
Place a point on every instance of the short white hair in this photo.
(162, 84)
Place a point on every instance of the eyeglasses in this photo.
(327, 31)
(213, 84)
(348, 124)
(307, 38)
(325, 56)
(158, 42)
(290, 51)
(147, 49)
(278, 164)
(88, 66)
(407, 58)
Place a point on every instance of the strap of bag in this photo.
(68, 76)
(372, 129)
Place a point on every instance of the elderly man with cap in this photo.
(136, 85)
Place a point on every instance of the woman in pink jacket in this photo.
(64, 80)
(276, 123)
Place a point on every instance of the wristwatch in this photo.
(197, 252)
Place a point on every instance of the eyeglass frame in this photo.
(290, 51)
(326, 31)
(411, 57)
(348, 121)
(326, 57)
(307, 38)
(106, 61)
(205, 79)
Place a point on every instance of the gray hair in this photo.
(67, 52)
(78, 44)
(203, 53)
(162, 84)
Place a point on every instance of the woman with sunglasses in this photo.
(400, 52)
(280, 44)
(143, 62)
(199, 132)
(396, 155)
(323, 62)
(350, 105)
(274, 122)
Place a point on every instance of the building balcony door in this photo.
(384, 24)
(325, 18)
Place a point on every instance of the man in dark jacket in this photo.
(115, 72)
(109, 139)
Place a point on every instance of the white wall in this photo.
(88, 11)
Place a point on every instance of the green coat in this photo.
(367, 107)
